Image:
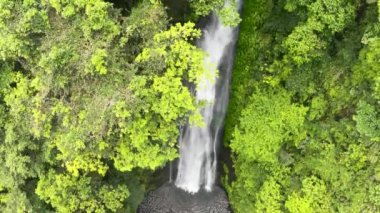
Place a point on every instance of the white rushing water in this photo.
(198, 145)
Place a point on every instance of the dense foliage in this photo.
(90, 101)
(303, 122)
(92, 97)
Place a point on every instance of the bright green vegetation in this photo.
(91, 98)
(90, 101)
(304, 118)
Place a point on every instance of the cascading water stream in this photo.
(198, 145)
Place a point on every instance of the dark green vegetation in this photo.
(91, 98)
(304, 119)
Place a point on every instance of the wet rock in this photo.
(170, 199)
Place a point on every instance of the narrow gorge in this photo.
(195, 188)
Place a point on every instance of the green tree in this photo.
(314, 197)
(322, 56)
(87, 97)
(266, 124)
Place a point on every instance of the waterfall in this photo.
(197, 165)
